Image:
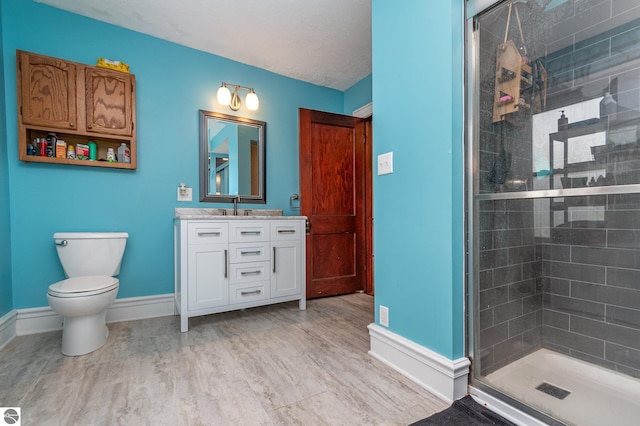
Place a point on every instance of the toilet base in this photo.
(82, 335)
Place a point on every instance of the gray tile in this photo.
(532, 270)
(522, 289)
(610, 332)
(606, 294)
(623, 239)
(494, 335)
(490, 259)
(560, 253)
(628, 278)
(522, 324)
(573, 341)
(606, 257)
(485, 279)
(486, 319)
(493, 297)
(532, 303)
(570, 271)
(523, 254)
(556, 319)
(507, 311)
(507, 275)
(557, 286)
(507, 238)
(622, 219)
(624, 316)
(572, 306)
(622, 355)
(579, 236)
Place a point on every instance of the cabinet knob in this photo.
(89, 126)
(71, 124)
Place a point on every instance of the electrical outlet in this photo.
(384, 316)
(185, 195)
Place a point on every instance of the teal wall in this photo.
(358, 95)
(173, 83)
(6, 298)
(418, 210)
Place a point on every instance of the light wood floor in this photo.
(271, 365)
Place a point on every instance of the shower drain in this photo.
(553, 390)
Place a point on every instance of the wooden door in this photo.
(333, 193)
(47, 91)
(109, 101)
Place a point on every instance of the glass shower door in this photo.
(554, 197)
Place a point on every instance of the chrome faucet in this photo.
(236, 199)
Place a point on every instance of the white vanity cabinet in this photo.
(224, 264)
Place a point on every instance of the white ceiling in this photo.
(324, 42)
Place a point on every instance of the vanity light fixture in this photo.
(225, 97)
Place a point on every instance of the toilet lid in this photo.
(82, 286)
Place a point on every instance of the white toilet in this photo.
(90, 261)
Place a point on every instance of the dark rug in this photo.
(464, 411)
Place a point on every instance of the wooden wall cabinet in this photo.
(77, 102)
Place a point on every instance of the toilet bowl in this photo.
(90, 260)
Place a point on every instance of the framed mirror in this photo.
(232, 158)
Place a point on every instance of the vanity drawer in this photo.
(240, 273)
(249, 252)
(248, 293)
(286, 230)
(208, 233)
(240, 231)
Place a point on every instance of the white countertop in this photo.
(217, 214)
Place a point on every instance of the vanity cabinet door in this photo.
(287, 263)
(47, 91)
(208, 276)
(109, 101)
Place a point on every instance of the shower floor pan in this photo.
(596, 395)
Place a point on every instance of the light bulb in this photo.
(223, 95)
(252, 101)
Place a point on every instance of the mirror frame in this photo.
(205, 195)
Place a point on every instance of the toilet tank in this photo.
(90, 253)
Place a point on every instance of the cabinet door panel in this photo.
(286, 273)
(108, 101)
(48, 87)
(208, 276)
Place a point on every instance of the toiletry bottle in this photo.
(111, 155)
(92, 151)
(563, 122)
(124, 154)
(71, 152)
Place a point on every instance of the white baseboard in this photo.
(503, 409)
(7, 328)
(43, 319)
(445, 378)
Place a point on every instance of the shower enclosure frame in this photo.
(475, 8)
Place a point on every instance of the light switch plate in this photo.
(186, 197)
(385, 163)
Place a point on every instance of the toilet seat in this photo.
(83, 286)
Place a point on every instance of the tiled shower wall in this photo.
(510, 287)
(591, 295)
(578, 291)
